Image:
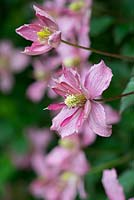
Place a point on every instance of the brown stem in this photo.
(100, 52)
(115, 97)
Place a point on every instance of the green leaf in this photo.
(100, 25)
(128, 100)
(127, 180)
(6, 168)
(120, 32)
(128, 48)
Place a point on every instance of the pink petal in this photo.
(37, 188)
(37, 49)
(55, 39)
(45, 17)
(83, 167)
(19, 61)
(72, 78)
(111, 185)
(56, 106)
(59, 91)
(29, 31)
(67, 120)
(112, 116)
(98, 79)
(70, 191)
(87, 136)
(6, 81)
(39, 138)
(70, 127)
(57, 157)
(81, 190)
(84, 114)
(36, 91)
(97, 120)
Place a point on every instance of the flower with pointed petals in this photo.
(44, 34)
(79, 104)
(60, 175)
(112, 186)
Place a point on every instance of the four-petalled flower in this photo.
(44, 33)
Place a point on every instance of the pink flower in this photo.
(11, 61)
(112, 186)
(67, 159)
(43, 69)
(79, 104)
(44, 34)
(61, 177)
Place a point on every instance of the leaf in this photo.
(127, 180)
(128, 100)
(6, 168)
(120, 32)
(100, 25)
(128, 48)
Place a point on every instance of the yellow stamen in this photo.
(76, 6)
(68, 175)
(72, 62)
(66, 143)
(44, 34)
(75, 100)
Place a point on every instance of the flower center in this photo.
(67, 143)
(40, 75)
(44, 34)
(75, 100)
(72, 62)
(66, 176)
(4, 62)
(76, 6)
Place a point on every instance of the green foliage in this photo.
(6, 168)
(127, 180)
(100, 25)
(128, 100)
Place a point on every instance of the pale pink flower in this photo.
(43, 70)
(11, 62)
(112, 186)
(44, 34)
(73, 57)
(61, 177)
(76, 16)
(67, 159)
(79, 104)
(63, 187)
(39, 138)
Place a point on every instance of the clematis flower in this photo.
(44, 34)
(43, 69)
(79, 103)
(112, 186)
(60, 175)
